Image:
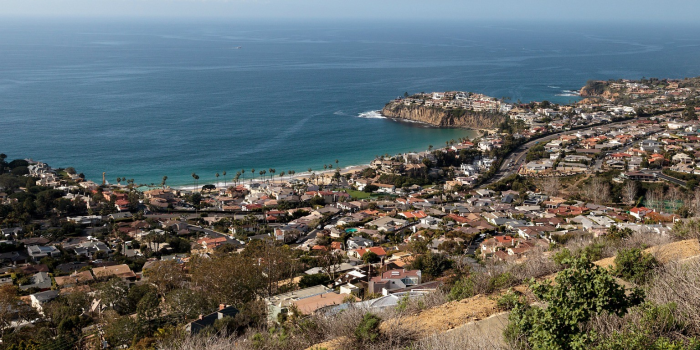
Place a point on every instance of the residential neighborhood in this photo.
(375, 236)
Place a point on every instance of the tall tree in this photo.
(162, 184)
(629, 192)
(227, 279)
(165, 276)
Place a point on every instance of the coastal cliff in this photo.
(454, 118)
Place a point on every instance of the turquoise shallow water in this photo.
(144, 99)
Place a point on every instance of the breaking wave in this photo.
(569, 93)
(371, 115)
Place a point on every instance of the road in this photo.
(516, 159)
(670, 179)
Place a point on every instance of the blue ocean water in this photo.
(143, 99)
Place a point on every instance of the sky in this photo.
(558, 10)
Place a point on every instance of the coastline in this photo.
(325, 174)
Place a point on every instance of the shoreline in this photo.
(306, 174)
(220, 184)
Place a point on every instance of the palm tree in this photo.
(430, 148)
(325, 166)
(252, 171)
(282, 175)
(165, 178)
(272, 173)
(336, 163)
(217, 177)
(224, 173)
(119, 179)
(194, 181)
(196, 177)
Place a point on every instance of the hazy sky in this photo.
(606, 10)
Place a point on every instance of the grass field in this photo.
(358, 194)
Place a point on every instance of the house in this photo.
(394, 279)
(387, 224)
(11, 232)
(280, 303)
(13, 258)
(640, 212)
(318, 302)
(640, 176)
(91, 248)
(74, 279)
(359, 253)
(160, 194)
(358, 242)
(203, 321)
(38, 252)
(211, 243)
(41, 298)
(681, 158)
(40, 280)
(122, 271)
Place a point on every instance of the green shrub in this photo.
(464, 288)
(501, 281)
(508, 301)
(578, 293)
(561, 256)
(593, 251)
(368, 329)
(634, 265)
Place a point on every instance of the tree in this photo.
(185, 304)
(370, 257)
(629, 192)
(431, 264)
(276, 262)
(165, 276)
(162, 184)
(655, 198)
(12, 308)
(598, 191)
(550, 185)
(330, 263)
(113, 293)
(224, 174)
(228, 279)
(313, 280)
(578, 293)
(121, 331)
(147, 308)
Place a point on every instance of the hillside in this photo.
(480, 316)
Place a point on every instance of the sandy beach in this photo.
(324, 175)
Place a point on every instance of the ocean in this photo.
(146, 98)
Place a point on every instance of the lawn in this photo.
(358, 194)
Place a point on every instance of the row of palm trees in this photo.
(237, 177)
